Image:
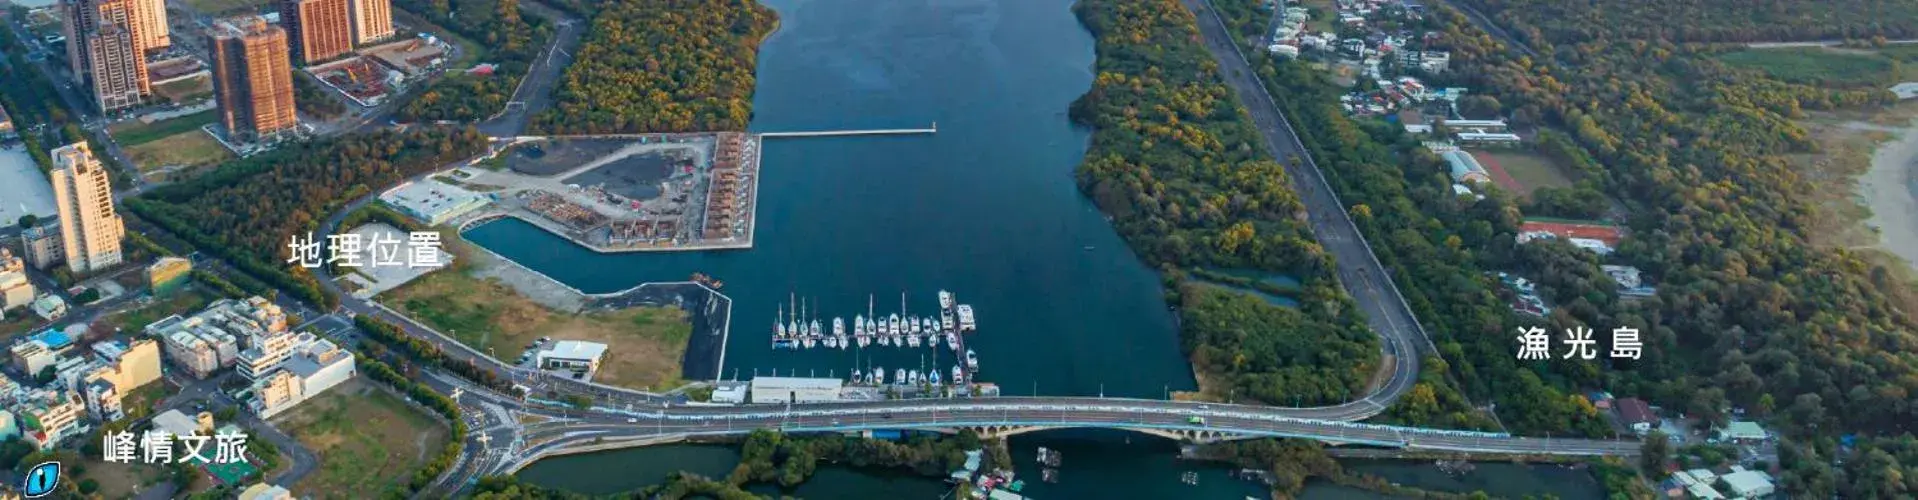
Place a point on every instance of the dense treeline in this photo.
(419, 350)
(1750, 315)
(662, 66)
(1314, 362)
(1438, 246)
(1562, 21)
(247, 211)
(313, 100)
(1176, 163)
(773, 457)
(511, 40)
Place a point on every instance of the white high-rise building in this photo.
(89, 227)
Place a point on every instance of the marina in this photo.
(795, 327)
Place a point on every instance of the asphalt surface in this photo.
(535, 91)
(1364, 278)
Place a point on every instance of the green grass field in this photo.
(189, 300)
(369, 441)
(1831, 66)
(1531, 170)
(134, 132)
(186, 149)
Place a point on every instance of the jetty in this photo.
(934, 129)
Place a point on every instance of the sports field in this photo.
(1520, 172)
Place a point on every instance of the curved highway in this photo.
(1358, 269)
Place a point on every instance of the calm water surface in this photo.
(986, 208)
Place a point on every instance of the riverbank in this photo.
(1890, 190)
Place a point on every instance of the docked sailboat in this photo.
(879, 375)
(952, 340)
(839, 327)
(899, 377)
(780, 338)
(932, 377)
(932, 339)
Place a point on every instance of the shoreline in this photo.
(1889, 191)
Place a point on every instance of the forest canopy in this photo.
(662, 66)
(511, 42)
(247, 211)
(1177, 164)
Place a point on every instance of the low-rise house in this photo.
(1637, 414)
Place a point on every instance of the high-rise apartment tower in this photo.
(89, 227)
(252, 78)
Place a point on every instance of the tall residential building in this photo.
(317, 30)
(372, 20)
(106, 51)
(89, 227)
(252, 78)
(150, 15)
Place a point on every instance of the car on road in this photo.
(632, 420)
(1196, 420)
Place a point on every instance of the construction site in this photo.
(629, 194)
(360, 79)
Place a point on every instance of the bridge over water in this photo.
(1000, 417)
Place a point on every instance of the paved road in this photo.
(85, 110)
(535, 91)
(1364, 278)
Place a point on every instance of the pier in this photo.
(847, 133)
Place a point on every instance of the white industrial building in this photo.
(573, 355)
(778, 390)
(433, 202)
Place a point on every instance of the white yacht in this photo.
(972, 360)
(899, 377)
(945, 300)
(958, 377)
(966, 323)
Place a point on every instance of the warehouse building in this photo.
(779, 390)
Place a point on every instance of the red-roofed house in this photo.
(1637, 414)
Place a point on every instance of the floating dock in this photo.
(934, 129)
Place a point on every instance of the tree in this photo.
(28, 221)
(1656, 451)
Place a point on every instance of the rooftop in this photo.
(54, 339)
(574, 349)
(797, 383)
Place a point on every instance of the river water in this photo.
(1096, 465)
(986, 208)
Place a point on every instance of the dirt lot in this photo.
(185, 91)
(368, 441)
(645, 345)
(118, 480)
